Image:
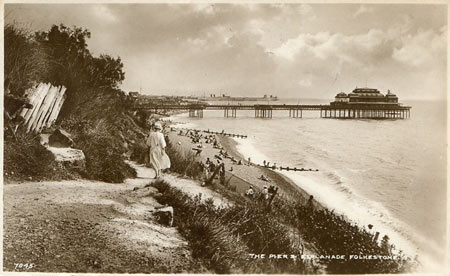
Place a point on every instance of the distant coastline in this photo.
(237, 98)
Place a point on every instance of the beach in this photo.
(242, 175)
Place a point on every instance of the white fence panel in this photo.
(47, 101)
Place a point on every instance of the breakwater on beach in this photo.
(390, 174)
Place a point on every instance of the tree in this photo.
(69, 56)
(106, 71)
(26, 62)
(73, 64)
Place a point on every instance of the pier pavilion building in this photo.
(366, 103)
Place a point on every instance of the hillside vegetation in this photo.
(95, 111)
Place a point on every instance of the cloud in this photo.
(305, 82)
(197, 42)
(363, 9)
(104, 13)
(362, 48)
(402, 27)
(295, 9)
(306, 11)
(287, 49)
(423, 49)
(204, 8)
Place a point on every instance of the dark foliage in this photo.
(103, 151)
(223, 238)
(72, 63)
(26, 159)
(25, 63)
(333, 234)
(139, 152)
(59, 56)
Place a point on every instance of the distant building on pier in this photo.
(367, 96)
(366, 103)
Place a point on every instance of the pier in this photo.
(361, 103)
(365, 112)
(337, 111)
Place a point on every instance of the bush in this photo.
(183, 162)
(26, 159)
(139, 152)
(223, 238)
(333, 234)
(103, 150)
(26, 62)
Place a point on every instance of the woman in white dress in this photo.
(158, 158)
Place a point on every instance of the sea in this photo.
(388, 173)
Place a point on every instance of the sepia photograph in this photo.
(225, 138)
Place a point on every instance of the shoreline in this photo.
(282, 181)
(287, 186)
(230, 145)
(247, 174)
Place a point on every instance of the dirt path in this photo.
(186, 185)
(85, 226)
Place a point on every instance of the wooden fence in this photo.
(47, 101)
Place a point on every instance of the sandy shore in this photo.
(242, 175)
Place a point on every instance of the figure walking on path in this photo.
(158, 158)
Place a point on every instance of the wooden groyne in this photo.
(216, 132)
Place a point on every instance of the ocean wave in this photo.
(335, 178)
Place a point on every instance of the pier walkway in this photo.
(341, 111)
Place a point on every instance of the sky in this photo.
(287, 50)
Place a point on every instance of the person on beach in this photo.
(222, 173)
(158, 158)
(206, 170)
(265, 193)
(250, 192)
(310, 203)
(272, 191)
